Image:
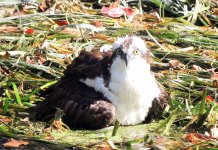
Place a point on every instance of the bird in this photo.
(99, 87)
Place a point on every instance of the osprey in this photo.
(98, 87)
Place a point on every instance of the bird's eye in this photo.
(136, 52)
(119, 52)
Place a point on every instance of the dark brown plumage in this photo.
(158, 107)
(83, 107)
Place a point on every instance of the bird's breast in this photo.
(133, 96)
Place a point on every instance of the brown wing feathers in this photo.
(83, 107)
(88, 64)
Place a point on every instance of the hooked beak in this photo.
(124, 57)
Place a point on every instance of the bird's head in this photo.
(130, 50)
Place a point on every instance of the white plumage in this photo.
(132, 87)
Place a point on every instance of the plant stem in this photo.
(116, 126)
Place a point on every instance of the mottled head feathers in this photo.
(132, 47)
(127, 42)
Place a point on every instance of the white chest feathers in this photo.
(134, 88)
(131, 90)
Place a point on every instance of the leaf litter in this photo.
(39, 39)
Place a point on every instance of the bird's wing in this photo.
(82, 106)
(89, 64)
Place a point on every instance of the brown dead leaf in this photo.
(97, 23)
(5, 119)
(49, 137)
(57, 124)
(174, 63)
(196, 137)
(215, 83)
(166, 142)
(61, 22)
(214, 76)
(104, 146)
(197, 68)
(15, 143)
(8, 29)
(67, 29)
(215, 11)
(40, 59)
(103, 37)
(162, 73)
(72, 31)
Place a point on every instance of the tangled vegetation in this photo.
(39, 39)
